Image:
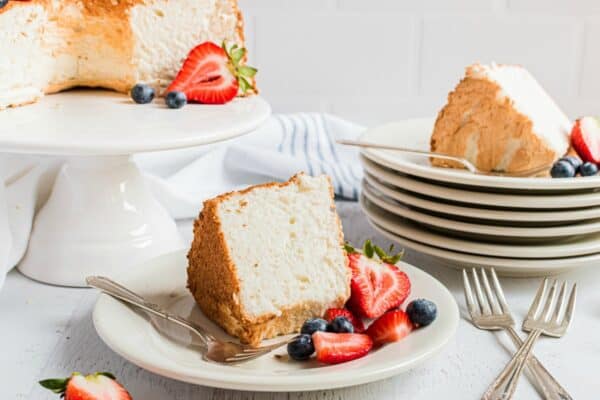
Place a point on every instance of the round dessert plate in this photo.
(574, 246)
(485, 232)
(416, 133)
(511, 267)
(138, 339)
(505, 216)
(503, 200)
(95, 122)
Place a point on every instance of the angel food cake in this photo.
(265, 259)
(501, 119)
(47, 46)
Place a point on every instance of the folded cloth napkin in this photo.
(182, 179)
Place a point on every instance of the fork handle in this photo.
(505, 384)
(550, 388)
(120, 292)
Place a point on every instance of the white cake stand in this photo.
(100, 217)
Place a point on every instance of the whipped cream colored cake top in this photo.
(50, 45)
(500, 119)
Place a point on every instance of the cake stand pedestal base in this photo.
(99, 219)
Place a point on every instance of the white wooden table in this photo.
(46, 331)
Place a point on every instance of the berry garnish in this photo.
(214, 75)
(301, 348)
(3, 3)
(377, 286)
(313, 325)
(357, 323)
(390, 327)
(588, 169)
(421, 312)
(585, 139)
(176, 99)
(98, 386)
(574, 161)
(142, 93)
(334, 348)
(340, 325)
(562, 169)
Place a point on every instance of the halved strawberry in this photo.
(585, 139)
(390, 327)
(334, 348)
(376, 286)
(331, 313)
(98, 386)
(213, 75)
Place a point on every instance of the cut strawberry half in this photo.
(376, 286)
(213, 75)
(98, 386)
(390, 327)
(332, 313)
(335, 348)
(585, 139)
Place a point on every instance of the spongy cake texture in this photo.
(265, 259)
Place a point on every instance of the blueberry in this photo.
(3, 3)
(421, 312)
(313, 325)
(340, 325)
(562, 169)
(176, 99)
(574, 161)
(588, 169)
(141, 93)
(301, 348)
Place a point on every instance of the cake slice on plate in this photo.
(48, 46)
(265, 259)
(500, 119)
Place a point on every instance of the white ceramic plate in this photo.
(163, 280)
(96, 122)
(512, 267)
(485, 232)
(575, 246)
(416, 133)
(487, 214)
(512, 201)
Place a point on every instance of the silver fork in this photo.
(550, 317)
(491, 312)
(213, 349)
(466, 163)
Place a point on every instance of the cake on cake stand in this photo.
(100, 217)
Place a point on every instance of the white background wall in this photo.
(380, 60)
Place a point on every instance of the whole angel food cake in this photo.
(47, 46)
(500, 119)
(265, 259)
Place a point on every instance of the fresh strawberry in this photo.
(334, 348)
(376, 286)
(390, 327)
(585, 139)
(331, 313)
(213, 75)
(98, 386)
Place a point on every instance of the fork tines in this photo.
(485, 299)
(551, 306)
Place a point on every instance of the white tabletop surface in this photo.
(47, 331)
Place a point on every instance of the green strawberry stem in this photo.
(370, 250)
(243, 73)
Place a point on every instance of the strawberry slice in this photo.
(376, 286)
(335, 348)
(332, 313)
(213, 75)
(390, 327)
(585, 139)
(98, 386)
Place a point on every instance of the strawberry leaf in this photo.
(247, 71)
(237, 54)
(349, 248)
(380, 252)
(56, 385)
(244, 84)
(368, 249)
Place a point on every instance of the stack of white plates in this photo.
(520, 226)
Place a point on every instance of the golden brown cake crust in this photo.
(214, 283)
(480, 125)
